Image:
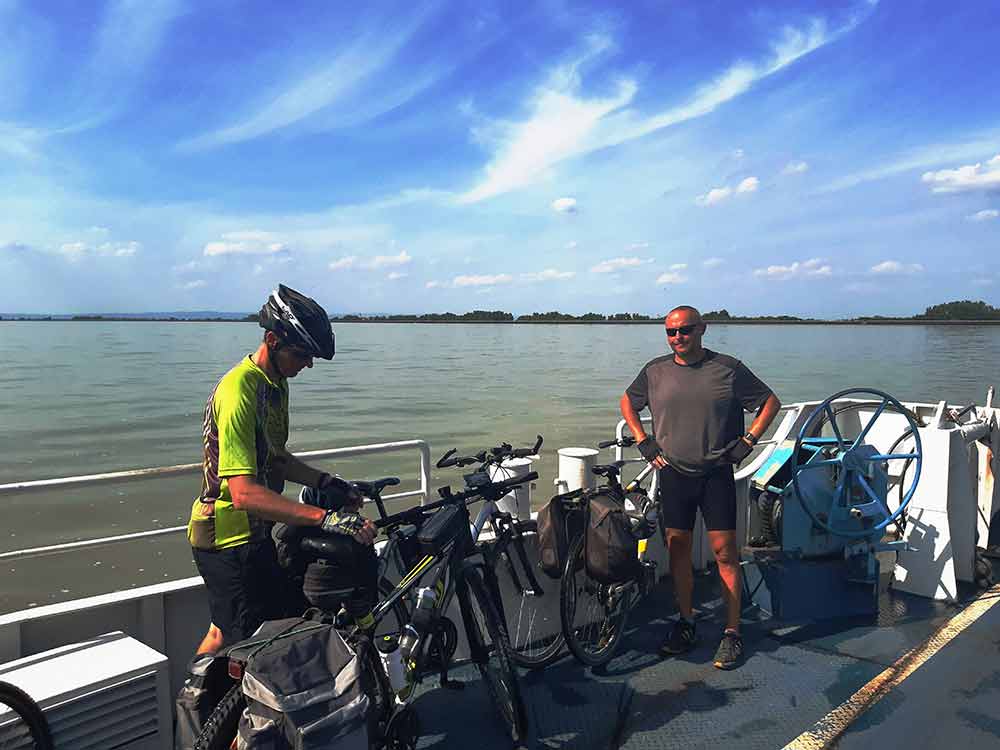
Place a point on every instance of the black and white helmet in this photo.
(298, 321)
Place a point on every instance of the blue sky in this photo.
(812, 158)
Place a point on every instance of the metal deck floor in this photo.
(790, 680)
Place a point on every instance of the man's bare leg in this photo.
(679, 546)
(728, 558)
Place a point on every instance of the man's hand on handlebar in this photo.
(349, 523)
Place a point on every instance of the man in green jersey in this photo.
(246, 465)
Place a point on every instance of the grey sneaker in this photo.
(730, 652)
(682, 639)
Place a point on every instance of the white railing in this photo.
(165, 471)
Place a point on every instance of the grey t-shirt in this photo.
(697, 409)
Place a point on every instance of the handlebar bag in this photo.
(611, 548)
(558, 525)
(451, 523)
(304, 689)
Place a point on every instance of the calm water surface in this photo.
(81, 398)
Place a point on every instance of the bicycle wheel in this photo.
(221, 725)
(490, 652)
(593, 614)
(534, 630)
(22, 723)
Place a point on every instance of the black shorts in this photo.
(682, 494)
(245, 587)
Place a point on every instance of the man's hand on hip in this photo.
(737, 450)
(650, 451)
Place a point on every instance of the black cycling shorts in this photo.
(245, 587)
(681, 495)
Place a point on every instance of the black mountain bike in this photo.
(594, 613)
(22, 723)
(529, 612)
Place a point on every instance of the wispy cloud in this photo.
(563, 124)
(246, 243)
(394, 275)
(719, 194)
(795, 167)
(712, 262)
(501, 278)
(814, 268)
(80, 249)
(670, 277)
(376, 263)
(341, 264)
(987, 214)
(549, 274)
(196, 284)
(351, 73)
(888, 267)
(971, 178)
(617, 264)
(564, 205)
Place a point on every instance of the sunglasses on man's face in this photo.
(298, 353)
(685, 330)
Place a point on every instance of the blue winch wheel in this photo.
(849, 458)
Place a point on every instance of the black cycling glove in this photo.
(333, 493)
(649, 449)
(737, 450)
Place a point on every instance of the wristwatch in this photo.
(750, 438)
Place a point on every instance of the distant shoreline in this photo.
(654, 321)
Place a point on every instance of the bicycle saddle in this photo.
(608, 470)
(370, 489)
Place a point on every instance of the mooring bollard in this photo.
(575, 466)
(517, 502)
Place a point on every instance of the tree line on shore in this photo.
(960, 310)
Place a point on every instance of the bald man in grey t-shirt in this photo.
(697, 398)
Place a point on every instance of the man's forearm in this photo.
(632, 419)
(765, 416)
(251, 497)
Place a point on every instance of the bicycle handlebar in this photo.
(492, 491)
(494, 455)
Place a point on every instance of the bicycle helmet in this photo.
(299, 321)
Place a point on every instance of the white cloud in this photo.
(638, 246)
(563, 125)
(124, 250)
(549, 274)
(191, 265)
(352, 73)
(393, 275)
(73, 250)
(679, 267)
(973, 177)
(389, 261)
(712, 262)
(713, 196)
(985, 215)
(617, 264)
(895, 267)
(564, 205)
(245, 243)
(348, 261)
(748, 185)
(77, 250)
(433, 284)
(670, 278)
(813, 268)
(196, 284)
(502, 278)
(795, 167)
(572, 245)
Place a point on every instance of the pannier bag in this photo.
(449, 523)
(304, 689)
(207, 682)
(611, 547)
(558, 525)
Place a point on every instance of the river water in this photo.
(89, 397)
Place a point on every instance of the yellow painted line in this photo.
(830, 727)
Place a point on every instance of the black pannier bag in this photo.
(559, 523)
(449, 523)
(611, 547)
(304, 689)
(207, 682)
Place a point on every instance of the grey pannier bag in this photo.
(303, 687)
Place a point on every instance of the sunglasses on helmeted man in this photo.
(686, 330)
